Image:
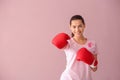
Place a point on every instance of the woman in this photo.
(78, 46)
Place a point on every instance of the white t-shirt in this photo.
(77, 70)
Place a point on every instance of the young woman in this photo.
(81, 53)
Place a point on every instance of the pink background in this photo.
(28, 26)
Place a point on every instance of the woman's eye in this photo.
(74, 26)
(80, 26)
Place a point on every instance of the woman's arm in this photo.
(95, 68)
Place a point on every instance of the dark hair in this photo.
(76, 17)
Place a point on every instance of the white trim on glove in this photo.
(92, 65)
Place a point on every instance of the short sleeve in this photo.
(92, 47)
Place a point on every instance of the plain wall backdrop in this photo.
(28, 26)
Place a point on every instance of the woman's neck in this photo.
(80, 39)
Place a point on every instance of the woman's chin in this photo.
(78, 35)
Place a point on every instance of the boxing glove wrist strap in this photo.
(92, 65)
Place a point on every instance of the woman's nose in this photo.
(77, 29)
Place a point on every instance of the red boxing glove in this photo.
(96, 62)
(84, 55)
(60, 40)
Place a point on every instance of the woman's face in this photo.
(77, 27)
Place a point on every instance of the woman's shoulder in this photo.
(91, 42)
(71, 41)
